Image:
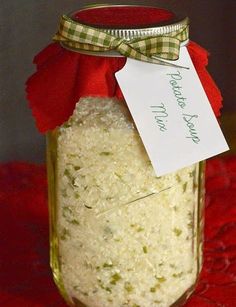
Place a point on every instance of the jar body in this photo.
(120, 235)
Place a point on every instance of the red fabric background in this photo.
(25, 277)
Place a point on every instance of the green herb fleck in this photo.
(116, 277)
(191, 222)
(145, 249)
(108, 230)
(177, 275)
(161, 279)
(185, 187)
(77, 168)
(108, 289)
(109, 198)
(74, 222)
(177, 231)
(154, 289)
(65, 234)
(66, 125)
(77, 196)
(66, 211)
(128, 287)
(88, 264)
(67, 173)
(178, 178)
(72, 155)
(118, 175)
(88, 207)
(190, 225)
(139, 229)
(76, 288)
(107, 265)
(190, 214)
(105, 153)
(69, 176)
(103, 287)
(85, 293)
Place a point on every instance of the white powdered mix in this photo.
(126, 237)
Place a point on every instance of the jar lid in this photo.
(129, 22)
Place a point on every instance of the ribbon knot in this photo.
(115, 44)
(150, 49)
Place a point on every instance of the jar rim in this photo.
(176, 23)
(163, 26)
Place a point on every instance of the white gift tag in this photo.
(172, 113)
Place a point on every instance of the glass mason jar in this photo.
(120, 235)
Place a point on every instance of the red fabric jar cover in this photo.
(64, 76)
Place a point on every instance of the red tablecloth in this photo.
(25, 277)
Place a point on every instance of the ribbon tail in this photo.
(153, 60)
(129, 51)
(164, 63)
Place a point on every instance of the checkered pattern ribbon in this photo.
(148, 49)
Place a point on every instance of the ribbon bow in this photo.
(148, 49)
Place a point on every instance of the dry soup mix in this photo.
(121, 233)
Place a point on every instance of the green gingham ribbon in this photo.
(148, 49)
